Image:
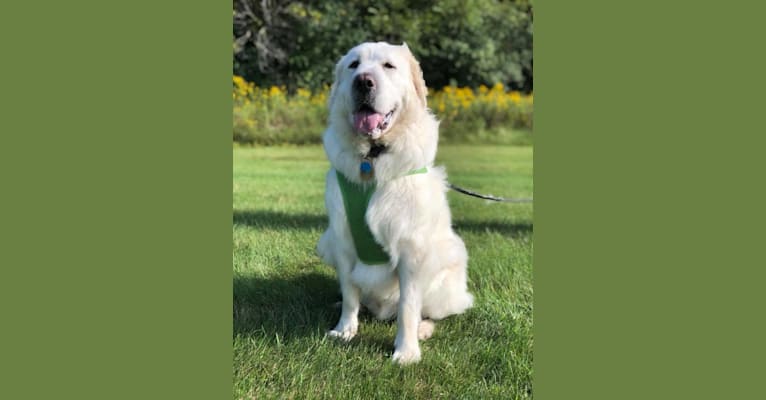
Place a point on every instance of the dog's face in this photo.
(376, 86)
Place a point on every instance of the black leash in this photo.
(376, 149)
(486, 197)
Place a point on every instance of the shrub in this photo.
(269, 116)
(481, 115)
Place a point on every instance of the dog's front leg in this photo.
(406, 347)
(349, 316)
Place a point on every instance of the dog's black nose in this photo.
(364, 83)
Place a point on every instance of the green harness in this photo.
(356, 199)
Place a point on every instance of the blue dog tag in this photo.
(365, 169)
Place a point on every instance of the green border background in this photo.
(116, 212)
(648, 200)
(115, 163)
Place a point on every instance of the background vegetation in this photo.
(295, 44)
(476, 57)
(486, 115)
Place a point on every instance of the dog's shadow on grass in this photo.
(284, 308)
(512, 229)
(278, 220)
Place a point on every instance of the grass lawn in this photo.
(284, 296)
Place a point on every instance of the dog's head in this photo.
(377, 85)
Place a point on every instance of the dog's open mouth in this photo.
(370, 122)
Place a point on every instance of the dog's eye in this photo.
(389, 65)
(354, 64)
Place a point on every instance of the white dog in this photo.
(390, 236)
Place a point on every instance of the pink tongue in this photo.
(367, 121)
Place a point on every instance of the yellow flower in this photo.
(274, 91)
(303, 93)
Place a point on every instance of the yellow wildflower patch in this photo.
(272, 115)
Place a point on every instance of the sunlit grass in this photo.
(284, 296)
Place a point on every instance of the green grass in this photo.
(284, 296)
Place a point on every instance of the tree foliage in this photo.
(460, 42)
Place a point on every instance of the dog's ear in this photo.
(417, 76)
(335, 82)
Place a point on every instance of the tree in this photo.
(465, 42)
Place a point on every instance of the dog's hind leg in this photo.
(425, 329)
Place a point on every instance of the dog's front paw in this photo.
(343, 332)
(404, 356)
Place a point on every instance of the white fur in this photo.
(408, 215)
